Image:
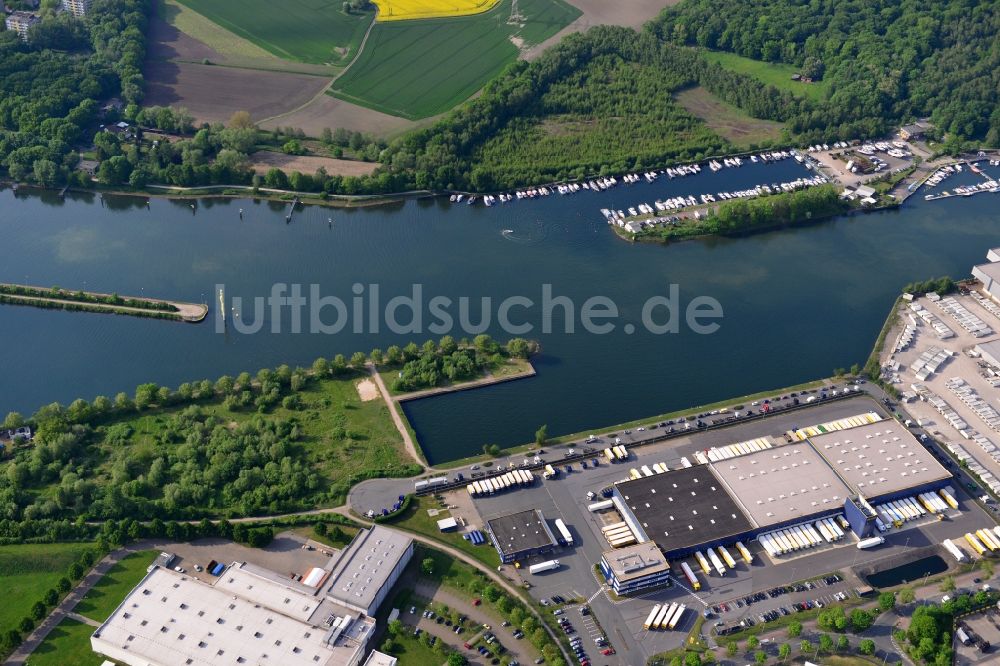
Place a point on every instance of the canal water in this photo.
(797, 303)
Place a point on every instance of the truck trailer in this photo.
(550, 565)
(689, 574)
(566, 536)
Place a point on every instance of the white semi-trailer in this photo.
(871, 542)
(544, 566)
(719, 567)
(566, 536)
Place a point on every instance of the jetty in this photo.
(89, 301)
(295, 202)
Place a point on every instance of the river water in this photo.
(796, 303)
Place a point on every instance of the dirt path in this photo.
(411, 447)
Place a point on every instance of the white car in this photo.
(179, 569)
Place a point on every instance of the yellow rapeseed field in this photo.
(401, 10)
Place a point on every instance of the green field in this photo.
(313, 31)
(66, 645)
(416, 69)
(105, 596)
(778, 75)
(29, 571)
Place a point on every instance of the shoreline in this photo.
(97, 302)
(488, 380)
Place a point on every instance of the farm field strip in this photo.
(403, 10)
(420, 68)
(313, 32)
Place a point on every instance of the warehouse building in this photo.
(634, 568)
(989, 274)
(171, 619)
(253, 615)
(521, 535)
(840, 469)
(363, 573)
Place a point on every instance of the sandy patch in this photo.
(266, 159)
(327, 111)
(367, 390)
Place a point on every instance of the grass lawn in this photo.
(105, 596)
(29, 571)
(726, 120)
(778, 75)
(303, 30)
(66, 645)
(415, 519)
(416, 69)
(410, 650)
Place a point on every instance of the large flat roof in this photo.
(991, 269)
(783, 483)
(879, 458)
(684, 507)
(358, 572)
(173, 619)
(638, 561)
(518, 532)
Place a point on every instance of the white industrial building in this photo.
(989, 274)
(252, 615)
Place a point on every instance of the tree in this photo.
(825, 643)
(240, 120)
(732, 648)
(805, 647)
(907, 594)
(457, 659)
(948, 584)
(692, 659)
(395, 628)
(519, 348)
(26, 625)
(292, 147)
(542, 435)
(427, 566)
(13, 421)
(861, 620)
(64, 584)
(760, 657)
(866, 646)
(886, 600)
(794, 629)
(39, 610)
(51, 597)
(376, 357)
(358, 360)
(784, 650)
(753, 643)
(843, 644)
(986, 567)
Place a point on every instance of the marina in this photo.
(989, 183)
(854, 265)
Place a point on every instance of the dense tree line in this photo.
(743, 215)
(448, 361)
(886, 60)
(52, 84)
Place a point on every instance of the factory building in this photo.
(521, 535)
(252, 615)
(838, 469)
(635, 568)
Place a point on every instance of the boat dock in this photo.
(989, 184)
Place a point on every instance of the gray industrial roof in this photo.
(173, 620)
(879, 458)
(783, 483)
(362, 569)
(684, 507)
(518, 532)
(636, 561)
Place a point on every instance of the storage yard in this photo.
(712, 515)
(943, 355)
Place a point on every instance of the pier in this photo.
(88, 301)
(291, 209)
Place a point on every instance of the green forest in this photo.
(601, 101)
(53, 83)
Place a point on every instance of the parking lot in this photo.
(622, 618)
(985, 626)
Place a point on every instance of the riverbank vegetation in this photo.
(87, 297)
(281, 441)
(447, 361)
(743, 215)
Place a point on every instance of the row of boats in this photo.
(942, 174)
(967, 190)
(604, 183)
(674, 204)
